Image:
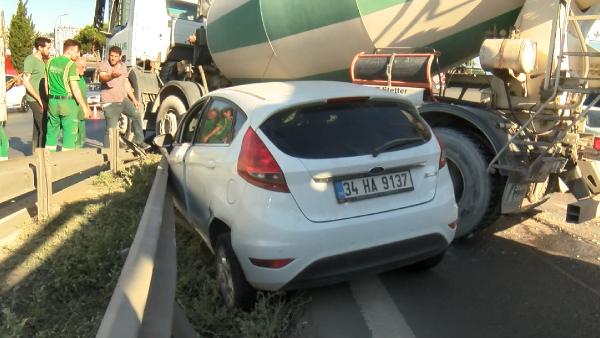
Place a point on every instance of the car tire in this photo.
(477, 192)
(24, 105)
(426, 264)
(170, 112)
(233, 287)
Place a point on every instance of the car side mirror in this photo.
(164, 143)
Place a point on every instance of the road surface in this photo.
(526, 276)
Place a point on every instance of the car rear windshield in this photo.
(345, 129)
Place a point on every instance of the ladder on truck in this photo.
(544, 153)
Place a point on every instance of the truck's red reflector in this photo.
(452, 225)
(597, 143)
(348, 99)
(271, 263)
(257, 165)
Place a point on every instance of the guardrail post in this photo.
(113, 158)
(43, 175)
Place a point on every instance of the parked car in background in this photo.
(592, 123)
(93, 95)
(93, 87)
(299, 184)
(15, 97)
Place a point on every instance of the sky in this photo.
(45, 12)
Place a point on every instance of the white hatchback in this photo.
(15, 97)
(299, 184)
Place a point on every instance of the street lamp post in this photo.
(55, 31)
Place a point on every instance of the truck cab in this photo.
(153, 30)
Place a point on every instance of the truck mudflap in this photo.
(519, 197)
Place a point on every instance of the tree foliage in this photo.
(21, 35)
(91, 39)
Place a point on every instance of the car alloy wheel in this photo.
(234, 288)
(24, 105)
(224, 278)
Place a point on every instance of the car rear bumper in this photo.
(381, 258)
(272, 227)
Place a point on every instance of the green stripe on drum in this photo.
(453, 52)
(241, 27)
(246, 24)
(369, 6)
(450, 53)
(285, 18)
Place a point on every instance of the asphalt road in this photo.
(19, 129)
(520, 278)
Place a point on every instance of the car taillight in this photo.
(596, 143)
(442, 152)
(257, 166)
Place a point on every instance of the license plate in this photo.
(373, 186)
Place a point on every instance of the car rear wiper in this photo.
(395, 143)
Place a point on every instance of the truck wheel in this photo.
(234, 288)
(170, 112)
(168, 71)
(476, 191)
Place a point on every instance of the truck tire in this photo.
(477, 192)
(170, 112)
(168, 71)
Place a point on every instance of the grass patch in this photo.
(273, 315)
(58, 277)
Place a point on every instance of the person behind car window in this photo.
(222, 132)
(209, 125)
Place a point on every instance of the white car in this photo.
(300, 184)
(15, 97)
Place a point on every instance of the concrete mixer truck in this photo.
(507, 145)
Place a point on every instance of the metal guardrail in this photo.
(143, 303)
(38, 172)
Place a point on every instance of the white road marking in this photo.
(378, 309)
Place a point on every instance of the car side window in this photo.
(187, 128)
(220, 123)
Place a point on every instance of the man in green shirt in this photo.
(81, 65)
(34, 71)
(222, 132)
(209, 125)
(65, 98)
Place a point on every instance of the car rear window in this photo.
(344, 129)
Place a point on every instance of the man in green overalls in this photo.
(65, 98)
(81, 64)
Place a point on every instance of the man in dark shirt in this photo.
(34, 73)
